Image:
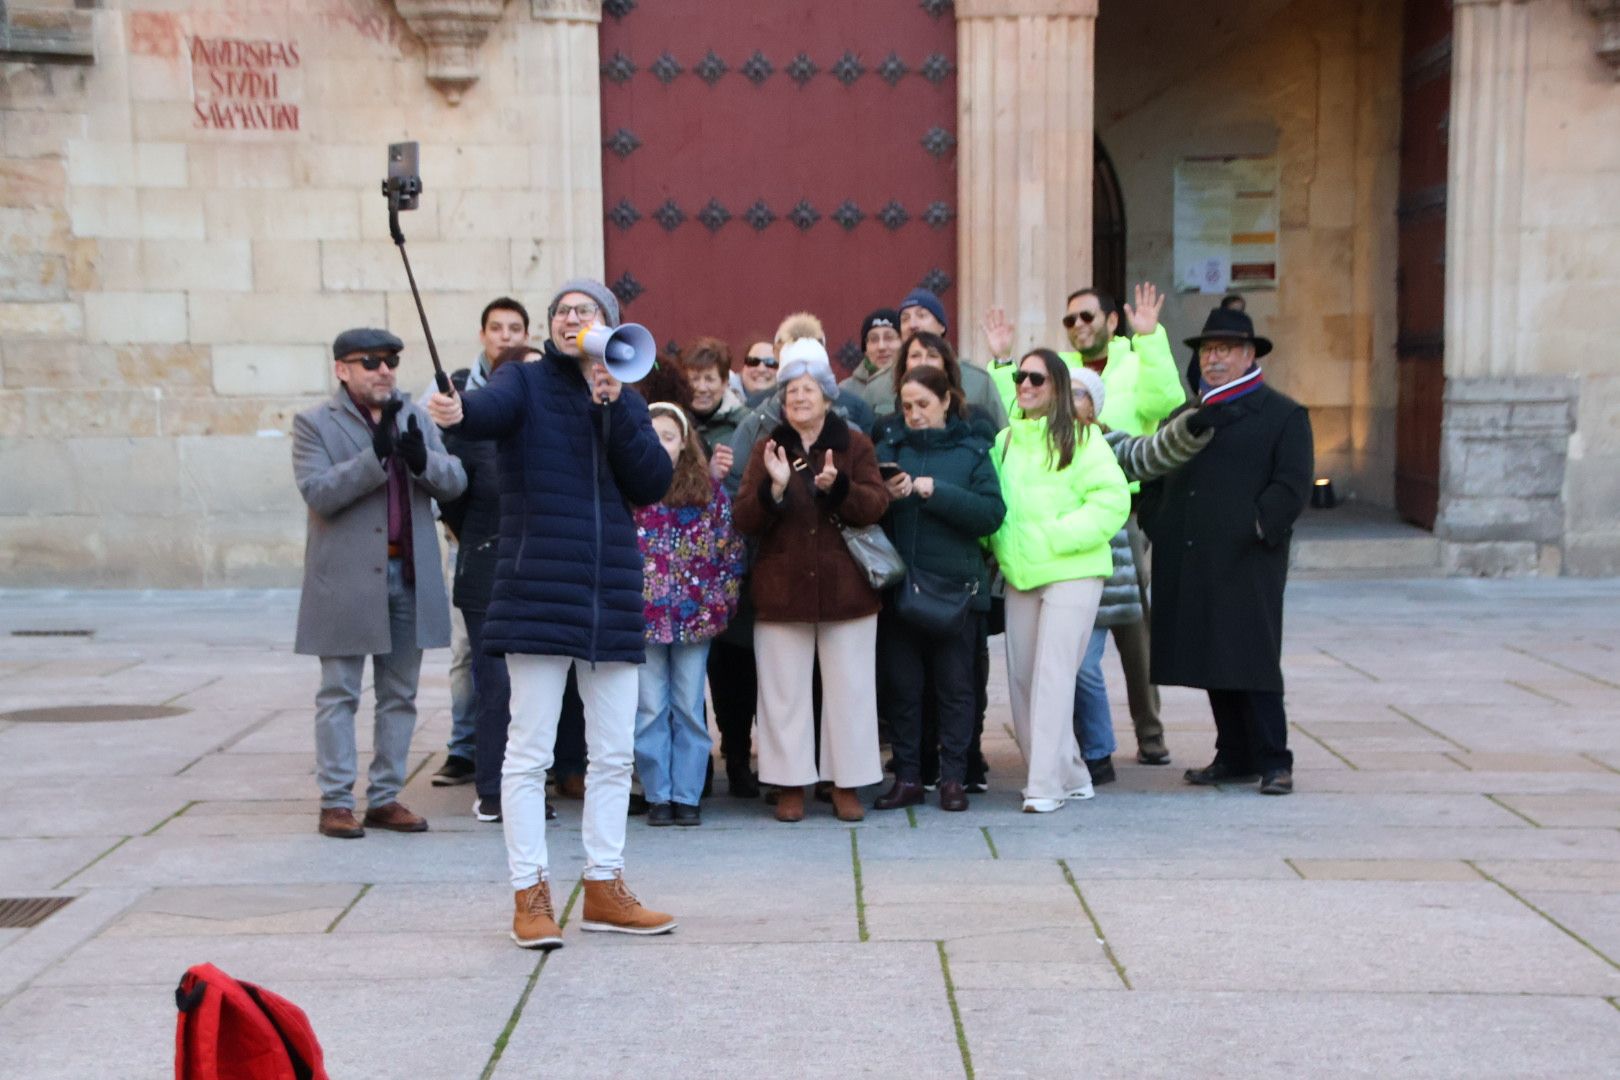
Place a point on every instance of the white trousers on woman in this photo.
(1047, 632)
(786, 654)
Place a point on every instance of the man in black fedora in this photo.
(1220, 527)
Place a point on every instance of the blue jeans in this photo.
(1093, 723)
(672, 736)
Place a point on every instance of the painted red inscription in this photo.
(236, 84)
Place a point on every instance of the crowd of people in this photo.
(830, 557)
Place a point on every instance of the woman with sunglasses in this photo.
(1066, 497)
(758, 373)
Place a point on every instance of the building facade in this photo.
(190, 211)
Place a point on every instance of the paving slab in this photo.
(1015, 1033)
(235, 909)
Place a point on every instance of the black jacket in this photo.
(568, 575)
(1220, 527)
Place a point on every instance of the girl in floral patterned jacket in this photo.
(692, 564)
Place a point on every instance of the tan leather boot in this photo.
(534, 923)
(847, 804)
(610, 906)
(790, 804)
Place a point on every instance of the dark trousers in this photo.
(1132, 641)
(1251, 730)
(491, 709)
(734, 686)
(911, 663)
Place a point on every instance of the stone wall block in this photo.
(1594, 494)
(145, 551)
(257, 550)
(229, 475)
(177, 370)
(1523, 467)
(33, 277)
(104, 212)
(126, 164)
(40, 134)
(31, 183)
(245, 166)
(284, 215)
(197, 264)
(41, 363)
(277, 370)
(60, 320)
(461, 265)
(286, 266)
(232, 416)
(223, 318)
(1489, 518)
(125, 476)
(38, 413)
(39, 478)
(1514, 388)
(1497, 559)
(34, 230)
(130, 317)
(169, 215)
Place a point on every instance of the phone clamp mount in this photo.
(403, 190)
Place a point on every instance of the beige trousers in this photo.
(785, 655)
(1047, 632)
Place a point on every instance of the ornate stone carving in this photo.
(452, 30)
(1607, 14)
(576, 10)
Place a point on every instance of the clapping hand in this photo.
(412, 446)
(1144, 315)
(827, 476)
(382, 440)
(720, 462)
(998, 332)
(778, 467)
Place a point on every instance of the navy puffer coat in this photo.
(568, 579)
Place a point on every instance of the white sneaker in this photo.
(1042, 806)
(1083, 793)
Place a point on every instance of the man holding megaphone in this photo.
(577, 450)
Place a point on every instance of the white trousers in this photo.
(609, 692)
(1047, 632)
(786, 655)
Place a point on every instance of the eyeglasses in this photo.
(586, 311)
(755, 361)
(1034, 378)
(1220, 348)
(1073, 317)
(373, 361)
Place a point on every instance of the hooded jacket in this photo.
(568, 572)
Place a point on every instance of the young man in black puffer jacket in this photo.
(576, 451)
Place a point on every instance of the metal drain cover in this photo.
(53, 633)
(92, 714)
(21, 912)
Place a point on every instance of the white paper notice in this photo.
(1225, 224)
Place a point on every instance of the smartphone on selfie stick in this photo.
(403, 190)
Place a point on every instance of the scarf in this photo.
(1243, 386)
(399, 501)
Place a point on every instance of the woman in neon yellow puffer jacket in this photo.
(1066, 497)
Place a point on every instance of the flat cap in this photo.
(365, 339)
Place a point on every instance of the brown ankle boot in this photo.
(534, 924)
(847, 805)
(611, 906)
(790, 804)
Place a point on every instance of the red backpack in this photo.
(232, 1030)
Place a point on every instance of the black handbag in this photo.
(933, 604)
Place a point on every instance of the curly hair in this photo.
(691, 485)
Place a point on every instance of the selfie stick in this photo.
(439, 376)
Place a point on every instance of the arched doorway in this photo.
(1107, 224)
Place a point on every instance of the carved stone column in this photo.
(1505, 429)
(1025, 98)
(566, 77)
(1607, 14)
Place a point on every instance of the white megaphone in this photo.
(628, 351)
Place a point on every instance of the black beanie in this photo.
(881, 317)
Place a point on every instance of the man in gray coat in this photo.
(368, 463)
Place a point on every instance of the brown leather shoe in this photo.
(790, 804)
(338, 822)
(571, 787)
(847, 804)
(903, 793)
(395, 817)
(952, 796)
(611, 907)
(534, 923)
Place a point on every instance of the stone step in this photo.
(1356, 540)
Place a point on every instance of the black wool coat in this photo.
(1220, 527)
(568, 570)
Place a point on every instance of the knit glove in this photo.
(1212, 417)
(412, 446)
(382, 440)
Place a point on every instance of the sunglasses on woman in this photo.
(1034, 378)
(373, 361)
(1073, 317)
(755, 361)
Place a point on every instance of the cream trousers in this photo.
(786, 654)
(1047, 631)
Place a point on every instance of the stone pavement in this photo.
(1441, 897)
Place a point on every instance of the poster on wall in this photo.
(1226, 224)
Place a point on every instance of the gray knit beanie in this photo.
(1090, 383)
(596, 291)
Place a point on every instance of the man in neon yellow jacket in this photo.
(1143, 387)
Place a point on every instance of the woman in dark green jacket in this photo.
(943, 499)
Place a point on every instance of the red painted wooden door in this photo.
(1421, 275)
(766, 158)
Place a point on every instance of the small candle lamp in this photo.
(1322, 497)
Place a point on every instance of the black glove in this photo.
(382, 440)
(412, 446)
(1213, 417)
